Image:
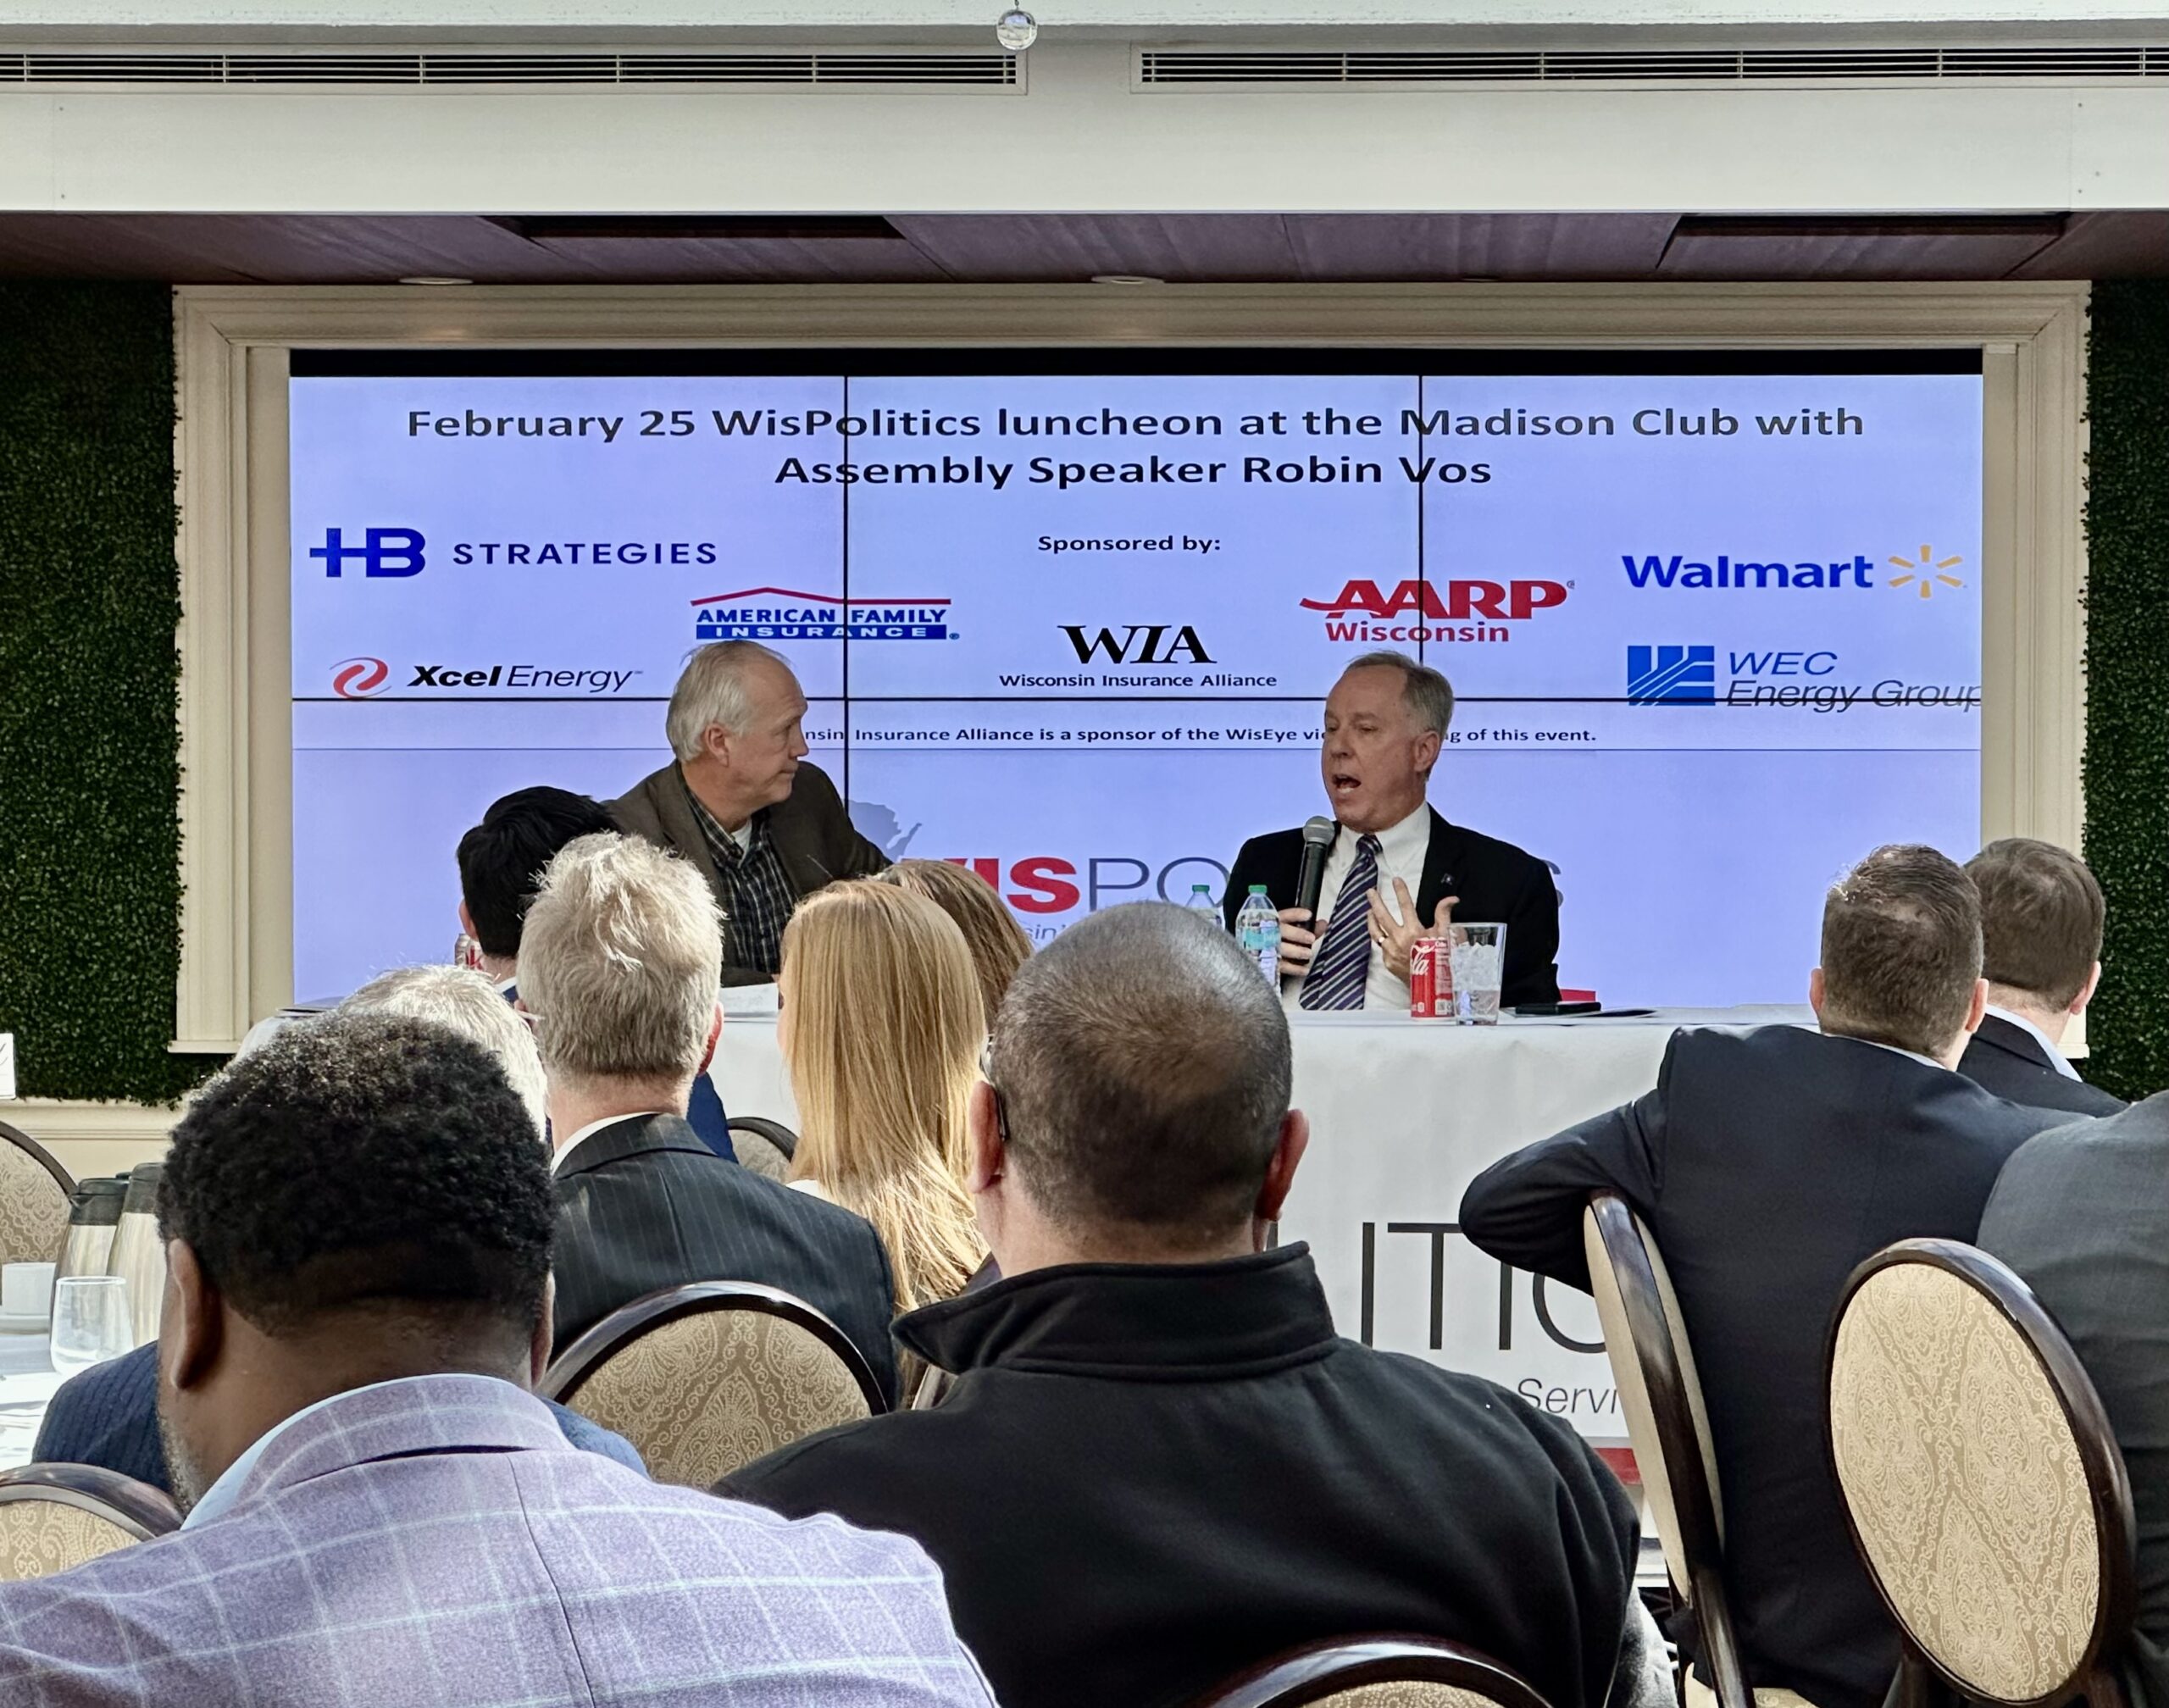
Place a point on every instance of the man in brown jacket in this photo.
(738, 801)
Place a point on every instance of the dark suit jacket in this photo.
(108, 1415)
(1497, 882)
(1767, 1164)
(644, 1205)
(2081, 1213)
(1148, 1476)
(811, 831)
(2007, 1060)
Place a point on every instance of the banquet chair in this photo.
(707, 1377)
(1981, 1480)
(53, 1517)
(35, 1191)
(765, 1146)
(1653, 1365)
(1383, 1671)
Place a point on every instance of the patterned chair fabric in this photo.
(38, 1538)
(33, 1205)
(711, 1390)
(1383, 1671)
(760, 1154)
(1966, 1481)
(1406, 1692)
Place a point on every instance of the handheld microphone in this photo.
(1318, 839)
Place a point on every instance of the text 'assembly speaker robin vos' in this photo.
(1393, 867)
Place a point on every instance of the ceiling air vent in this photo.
(951, 71)
(1226, 66)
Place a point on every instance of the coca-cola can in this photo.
(1422, 978)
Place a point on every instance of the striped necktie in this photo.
(1342, 964)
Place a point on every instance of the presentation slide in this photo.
(1714, 629)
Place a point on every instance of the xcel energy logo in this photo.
(393, 552)
(356, 678)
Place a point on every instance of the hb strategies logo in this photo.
(779, 613)
(392, 553)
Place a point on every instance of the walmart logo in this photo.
(1672, 675)
(1922, 573)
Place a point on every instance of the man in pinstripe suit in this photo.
(359, 1221)
(618, 963)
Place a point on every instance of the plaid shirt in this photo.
(435, 1541)
(761, 897)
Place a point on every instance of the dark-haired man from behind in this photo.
(2041, 922)
(1767, 1164)
(501, 861)
(1159, 1464)
(357, 1226)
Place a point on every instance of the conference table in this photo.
(27, 1380)
(1404, 1114)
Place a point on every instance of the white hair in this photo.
(464, 1002)
(711, 692)
(619, 962)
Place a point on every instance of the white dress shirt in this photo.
(1402, 849)
(2055, 1055)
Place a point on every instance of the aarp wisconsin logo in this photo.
(356, 678)
(779, 613)
(1672, 675)
(1924, 575)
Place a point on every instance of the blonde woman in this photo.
(881, 1027)
(998, 944)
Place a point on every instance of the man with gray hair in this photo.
(1159, 1464)
(738, 801)
(617, 964)
(1396, 869)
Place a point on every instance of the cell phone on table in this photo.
(1546, 1010)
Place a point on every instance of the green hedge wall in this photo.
(90, 744)
(2128, 680)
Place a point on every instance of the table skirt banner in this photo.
(1404, 1114)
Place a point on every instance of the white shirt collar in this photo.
(1404, 845)
(565, 1150)
(1895, 1049)
(216, 1501)
(2055, 1055)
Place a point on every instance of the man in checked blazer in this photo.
(358, 1221)
(617, 963)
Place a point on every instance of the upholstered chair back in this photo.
(705, 1379)
(53, 1517)
(1376, 1672)
(1980, 1477)
(35, 1191)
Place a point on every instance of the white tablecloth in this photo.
(26, 1383)
(1404, 1114)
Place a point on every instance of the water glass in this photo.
(91, 1321)
(1476, 954)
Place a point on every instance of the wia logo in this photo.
(1672, 675)
(1141, 643)
(386, 552)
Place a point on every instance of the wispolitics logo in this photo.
(778, 613)
(356, 678)
(1672, 675)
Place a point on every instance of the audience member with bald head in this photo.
(1159, 1463)
(1767, 1164)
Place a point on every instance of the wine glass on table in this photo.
(91, 1321)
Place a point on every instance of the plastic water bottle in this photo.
(1200, 902)
(1257, 929)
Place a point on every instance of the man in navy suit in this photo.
(621, 955)
(1397, 868)
(501, 861)
(1767, 1165)
(2041, 920)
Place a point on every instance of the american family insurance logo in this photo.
(356, 678)
(778, 613)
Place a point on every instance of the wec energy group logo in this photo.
(778, 613)
(1672, 675)
(356, 678)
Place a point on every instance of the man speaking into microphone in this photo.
(1388, 868)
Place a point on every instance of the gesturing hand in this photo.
(1392, 930)
(1299, 941)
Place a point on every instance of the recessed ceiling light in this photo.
(1126, 279)
(433, 279)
